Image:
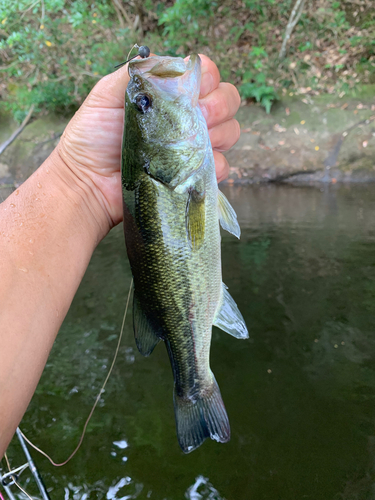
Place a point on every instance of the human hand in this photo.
(91, 144)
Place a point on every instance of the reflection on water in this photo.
(300, 393)
(119, 492)
(202, 489)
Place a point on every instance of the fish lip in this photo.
(168, 67)
(137, 65)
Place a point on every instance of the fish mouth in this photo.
(172, 76)
(162, 66)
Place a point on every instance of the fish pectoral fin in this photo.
(227, 216)
(203, 417)
(195, 218)
(145, 337)
(229, 318)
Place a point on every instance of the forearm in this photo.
(49, 228)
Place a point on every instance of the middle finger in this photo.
(225, 135)
(220, 105)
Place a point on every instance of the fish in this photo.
(172, 215)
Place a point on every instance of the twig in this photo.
(120, 18)
(59, 79)
(29, 8)
(288, 175)
(18, 131)
(90, 74)
(293, 20)
(136, 21)
(294, 78)
(3, 68)
(126, 16)
(139, 18)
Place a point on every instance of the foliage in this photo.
(188, 20)
(53, 51)
(254, 82)
(262, 93)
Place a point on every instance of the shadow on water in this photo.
(300, 393)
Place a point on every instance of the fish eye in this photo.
(143, 102)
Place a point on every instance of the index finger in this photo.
(210, 76)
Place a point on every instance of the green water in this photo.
(299, 394)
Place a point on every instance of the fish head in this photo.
(165, 132)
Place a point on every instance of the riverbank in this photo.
(306, 139)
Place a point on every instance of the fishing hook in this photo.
(143, 51)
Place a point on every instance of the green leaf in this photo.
(267, 103)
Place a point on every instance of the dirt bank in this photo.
(307, 139)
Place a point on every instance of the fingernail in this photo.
(207, 81)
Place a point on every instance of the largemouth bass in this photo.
(172, 209)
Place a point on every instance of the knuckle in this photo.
(223, 109)
(222, 166)
(233, 95)
(237, 130)
(216, 109)
(237, 97)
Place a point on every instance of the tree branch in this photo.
(119, 16)
(17, 132)
(293, 20)
(3, 68)
(120, 8)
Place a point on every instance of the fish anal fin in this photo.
(201, 418)
(227, 216)
(145, 337)
(195, 218)
(229, 318)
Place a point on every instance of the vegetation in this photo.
(53, 51)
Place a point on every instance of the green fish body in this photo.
(172, 208)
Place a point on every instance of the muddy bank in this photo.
(306, 139)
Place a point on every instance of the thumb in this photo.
(109, 92)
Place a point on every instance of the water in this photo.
(299, 394)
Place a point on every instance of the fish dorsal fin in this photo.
(145, 337)
(227, 216)
(229, 318)
(195, 218)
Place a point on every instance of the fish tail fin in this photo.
(202, 418)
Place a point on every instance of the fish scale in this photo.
(172, 208)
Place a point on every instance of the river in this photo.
(299, 393)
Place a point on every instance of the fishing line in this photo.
(97, 398)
